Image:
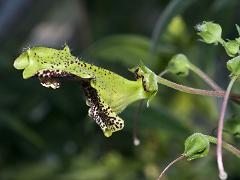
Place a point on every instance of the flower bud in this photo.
(196, 146)
(210, 32)
(231, 47)
(233, 66)
(179, 65)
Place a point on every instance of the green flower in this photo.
(210, 32)
(107, 93)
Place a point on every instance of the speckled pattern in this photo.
(100, 112)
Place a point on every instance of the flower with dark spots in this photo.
(107, 93)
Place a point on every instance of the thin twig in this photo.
(169, 165)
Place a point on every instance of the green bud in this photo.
(196, 146)
(210, 32)
(179, 65)
(231, 47)
(233, 66)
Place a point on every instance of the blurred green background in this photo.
(46, 134)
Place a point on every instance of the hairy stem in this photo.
(205, 77)
(222, 173)
(228, 147)
(169, 165)
(189, 90)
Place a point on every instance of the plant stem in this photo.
(169, 165)
(205, 77)
(222, 173)
(225, 145)
(189, 90)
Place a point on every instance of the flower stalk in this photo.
(222, 173)
(189, 90)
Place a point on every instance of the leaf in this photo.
(128, 49)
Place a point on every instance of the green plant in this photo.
(108, 94)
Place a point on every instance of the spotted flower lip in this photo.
(51, 78)
(101, 112)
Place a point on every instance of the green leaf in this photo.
(129, 49)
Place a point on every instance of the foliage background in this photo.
(46, 134)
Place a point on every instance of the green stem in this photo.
(205, 77)
(226, 146)
(187, 89)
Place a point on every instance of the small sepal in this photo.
(148, 78)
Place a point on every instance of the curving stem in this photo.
(205, 77)
(169, 165)
(222, 173)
